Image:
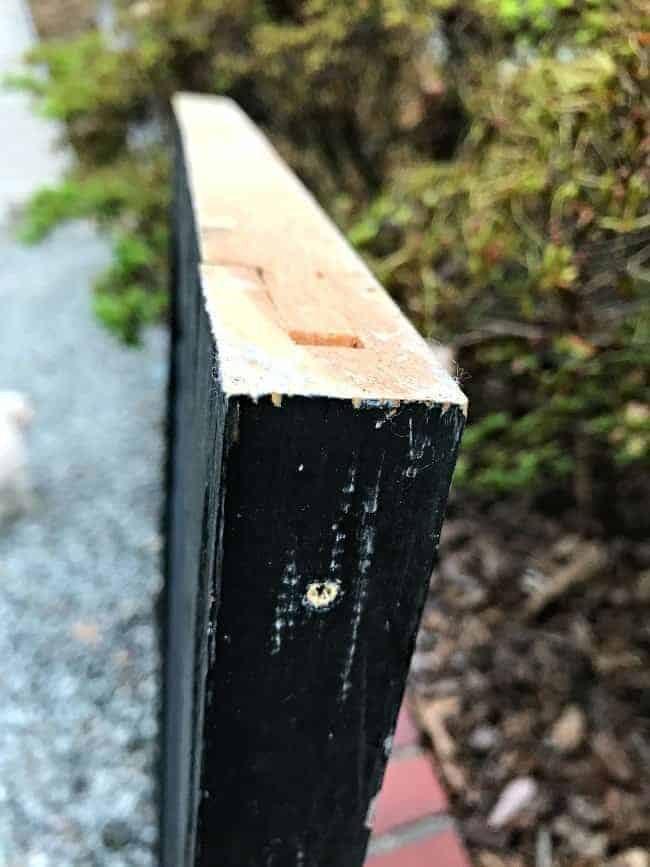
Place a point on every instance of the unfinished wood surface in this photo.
(293, 309)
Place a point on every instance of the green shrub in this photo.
(490, 159)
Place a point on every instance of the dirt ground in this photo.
(532, 679)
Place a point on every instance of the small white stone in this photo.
(512, 801)
(569, 730)
(631, 858)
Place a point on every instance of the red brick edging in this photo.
(411, 826)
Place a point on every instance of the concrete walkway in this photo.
(79, 573)
(27, 155)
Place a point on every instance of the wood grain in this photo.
(288, 298)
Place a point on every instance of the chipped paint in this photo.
(378, 403)
(321, 595)
(393, 407)
(370, 815)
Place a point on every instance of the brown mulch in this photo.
(532, 679)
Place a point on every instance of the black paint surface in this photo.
(279, 714)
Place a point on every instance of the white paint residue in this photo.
(454, 420)
(287, 603)
(366, 551)
(418, 444)
(367, 548)
(337, 549)
(371, 504)
(352, 476)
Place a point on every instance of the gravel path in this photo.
(79, 574)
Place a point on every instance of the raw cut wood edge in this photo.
(293, 309)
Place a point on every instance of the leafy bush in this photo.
(490, 158)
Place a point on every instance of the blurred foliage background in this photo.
(489, 158)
